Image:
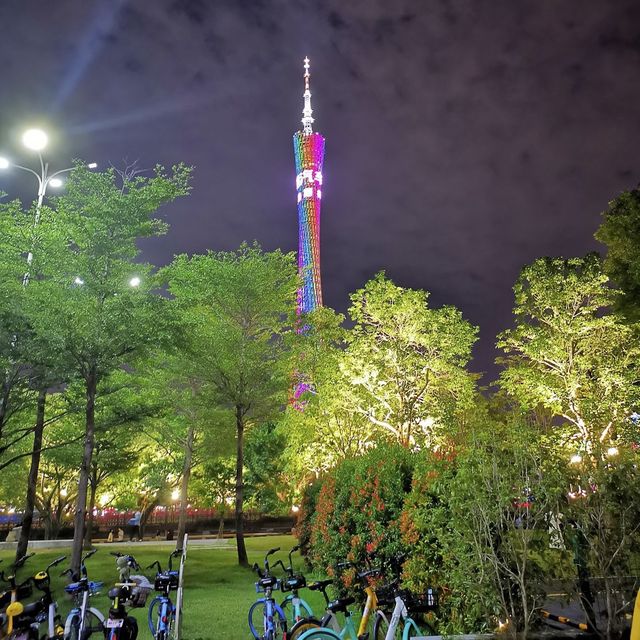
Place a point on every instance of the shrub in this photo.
(353, 512)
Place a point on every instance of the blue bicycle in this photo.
(162, 611)
(267, 620)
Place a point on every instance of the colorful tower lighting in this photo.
(308, 149)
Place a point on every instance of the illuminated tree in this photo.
(406, 362)
(569, 353)
(101, 311)
(236, 308)
(620, 231)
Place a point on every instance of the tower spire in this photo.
(307, 118)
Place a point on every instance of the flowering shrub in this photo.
(353, 512)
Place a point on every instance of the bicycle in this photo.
(405, 604)
(386, 627)
(13, 595)
(130, 591)
(265, 612)
(27, 619)
(165, 583)
(330, 627)
(82, 620)
(293, 603)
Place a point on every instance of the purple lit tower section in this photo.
(308, 148)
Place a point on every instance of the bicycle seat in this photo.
(320, 584)
(341, 604)
(33, 608)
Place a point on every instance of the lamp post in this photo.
(36, 140)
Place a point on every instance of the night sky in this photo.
(464, 138)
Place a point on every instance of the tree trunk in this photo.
(93, 488)
(85, 467)
(32, 480)
(184, 488)
(4, 400)
(242, 550)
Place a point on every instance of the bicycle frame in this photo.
(370, 605)
(298, 604)
(400, 613)
(166, 613)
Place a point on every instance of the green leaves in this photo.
(568, 352)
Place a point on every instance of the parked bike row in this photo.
(388, 609)
(40, 619)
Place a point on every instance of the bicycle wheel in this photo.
(381, 627)
(287, 607)
(320, 633)
(303, 626)
(411, 630)
(93, 623)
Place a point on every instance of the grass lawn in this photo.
(218, 593)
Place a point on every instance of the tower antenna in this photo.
(307, 111)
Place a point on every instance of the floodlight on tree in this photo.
(175, 494)
(612, 451)
(78, 280)
(576, 458)
(134, 282)
(35, 139)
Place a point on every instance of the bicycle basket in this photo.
(421, 604)
(168, 579)
(139, 593)
(385, 595)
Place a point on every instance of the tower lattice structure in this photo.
(308, 148)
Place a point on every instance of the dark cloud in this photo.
(463, 139)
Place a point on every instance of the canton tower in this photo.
(308, 149)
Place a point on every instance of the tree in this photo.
(406, 362)
(93, 314)
(324, 425)
(236, 307)
(569, 353)
(620, 231)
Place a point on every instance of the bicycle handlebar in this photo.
(56, 562)
(20, 562)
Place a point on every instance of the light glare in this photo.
(55, 182)
(135, 281)
(4, 163)
(35, 139)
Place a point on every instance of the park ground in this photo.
(218, 593)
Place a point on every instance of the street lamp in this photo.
(36, 140)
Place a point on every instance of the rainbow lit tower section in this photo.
(308, 148)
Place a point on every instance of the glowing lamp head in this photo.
(576, 458)
(55, 183)
(175, 494)
(612, 451)
(92, 165)
(4, 163)
(35, 139)
(78, 280)
(134, 282)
